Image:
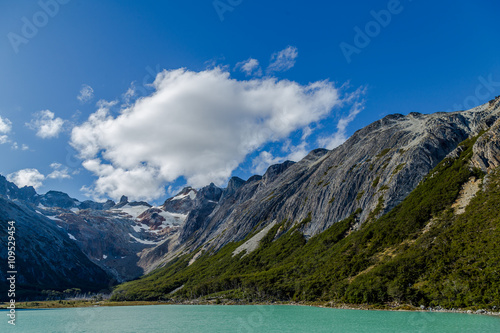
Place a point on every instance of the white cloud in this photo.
(140, 182)
(250, 67)
(263, 161)
(46, 125)
(5, 127)
(340, 137)
(283, 60)
(200, 125)
(217, 62)
(306, 132)
(298, 152)
(15, 146)
(59, 172)
(129, 95)
(55, 165)
(86, 93)
(266, 159)
(27, 177)
(33, 177)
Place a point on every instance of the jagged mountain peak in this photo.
(58, 199)
(232, 186)
(210, 192)
(9, 190)
(275, 170)
(182, 202)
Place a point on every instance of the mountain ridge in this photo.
(420, 253)
(360, 181)
(375, 169)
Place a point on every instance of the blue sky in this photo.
(419, 56)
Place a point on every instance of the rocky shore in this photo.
(218, 301)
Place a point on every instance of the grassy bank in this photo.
(62, 304)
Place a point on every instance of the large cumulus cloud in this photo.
(196, 125)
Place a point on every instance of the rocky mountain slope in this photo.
(64, 243)
(46, 257)
(437, 245)
(365, 178)
(372, 171)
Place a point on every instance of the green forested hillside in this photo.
(453, 262)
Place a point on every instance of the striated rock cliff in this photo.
(373, 171)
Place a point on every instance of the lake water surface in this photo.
(251, 318)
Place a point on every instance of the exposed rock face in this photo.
(253, 243)
(58, 199)
(105, 236)
(10, 191)
(205, 202)
(487, 147)
(46, 257)
(275, 170)
(182, 202)
(232, 186)
(374, 170)
(152, 218)
(108, 239)
(88, 204)
(123, 202)
(467, 193)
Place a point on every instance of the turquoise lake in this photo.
(207, 319)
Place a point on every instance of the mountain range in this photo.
(404, 211)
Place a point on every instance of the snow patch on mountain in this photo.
(140, 227)
(173, 219)
(133, 211)
(147, 242)
(191, 194)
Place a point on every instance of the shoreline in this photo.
(66, 304)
